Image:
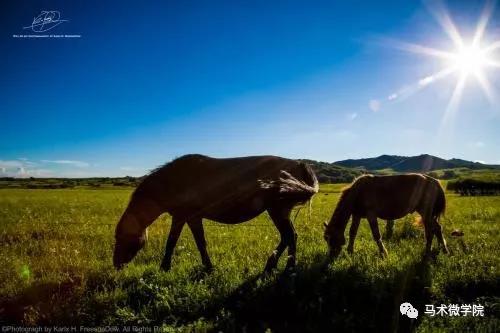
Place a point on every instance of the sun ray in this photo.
(440, 13)
(486, 86)
(492, 47)
(467, 60)
(452, 107)
(483, 22)
(421, 49)
(493, 63)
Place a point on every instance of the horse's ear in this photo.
(325, 225)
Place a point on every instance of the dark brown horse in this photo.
(228, 190)
(389, 198)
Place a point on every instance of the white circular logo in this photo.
(407, 309)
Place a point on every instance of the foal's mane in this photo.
(344, 206)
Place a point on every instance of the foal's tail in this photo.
(439, 204)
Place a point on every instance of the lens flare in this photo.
(469, 59)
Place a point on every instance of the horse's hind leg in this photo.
(389, 229)
(438, 231)
(173, 236)
(288, 238)
(353, 232)
(376, 235)
(196, 227)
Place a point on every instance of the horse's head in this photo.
(128, 241)
(335, 240)
(126, 248)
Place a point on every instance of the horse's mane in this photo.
(344, 206)
(166, 164)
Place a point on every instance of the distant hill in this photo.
(420, 163)
(331, 173)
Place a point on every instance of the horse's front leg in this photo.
(173, 236)
(353, 231)
(376, 235)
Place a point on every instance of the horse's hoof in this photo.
(290, 267)
(350, 250)
(290, 263)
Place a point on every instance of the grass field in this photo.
(55, 268)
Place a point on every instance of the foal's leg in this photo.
(438, 231)
(196, 227)
(288, 238)
(353, 232)
(429, 232)
(173, 236)
(376, 235)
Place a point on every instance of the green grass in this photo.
(55, 267)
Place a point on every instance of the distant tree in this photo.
(449, 174)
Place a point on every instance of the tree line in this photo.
(472, 187)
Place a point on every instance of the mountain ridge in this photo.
(418, 163)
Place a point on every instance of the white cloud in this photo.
(79, 164)
(23, 167)
(11, 164)
(392, 97)
(374, 105)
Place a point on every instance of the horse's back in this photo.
(223, 189)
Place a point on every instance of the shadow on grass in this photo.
(37, 302)
(44, 303)
(312, 299)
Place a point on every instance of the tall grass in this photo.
(55, 267)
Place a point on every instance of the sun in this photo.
(470, 60)
(474, 58)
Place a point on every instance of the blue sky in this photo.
(148, 82)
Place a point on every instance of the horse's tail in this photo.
(292, 188)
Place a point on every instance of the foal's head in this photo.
(334, 230)
(334, 239)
